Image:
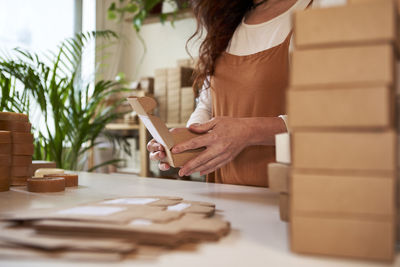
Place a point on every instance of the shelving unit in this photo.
(181, 14)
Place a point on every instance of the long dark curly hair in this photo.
(219, 18)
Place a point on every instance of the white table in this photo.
(258, 237)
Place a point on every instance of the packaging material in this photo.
(397, 2)
(355, 66)
(347, 25)
(345, 151)
(187, 103)
(282, 148)
(368, 108)
(284, 202)
(43, 171)
(344, 236)
(176, 79)
(278, 177)
(368, 196)
(5, 160)
(160, 92)
(160, 132)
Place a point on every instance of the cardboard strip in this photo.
(23, 149)
(17, 126)
(5, 137)
(14, 116)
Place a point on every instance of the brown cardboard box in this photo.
(355, 66)
(278, 177)
(373, 22)
(397, 2)
(348, 237)
(160, 132)
(187, 103)
(160, 92)
(345, 151)
(363, 195)
(284, 202)
(364, 108)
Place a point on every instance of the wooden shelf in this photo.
(181, 14)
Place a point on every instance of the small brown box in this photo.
(355, 66)
(365, 195)
(278, 177)
(284, 202)
(345, 151)
(348, 237)
(369, 23)
(366, 108)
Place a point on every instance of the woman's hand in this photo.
(157, 152)
(224, 138)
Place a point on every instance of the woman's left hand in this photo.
(224, 138)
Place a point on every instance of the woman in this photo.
(243, 63)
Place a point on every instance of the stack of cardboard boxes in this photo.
(160, 92)
(5, 160)
(341, 110)
(21, 145)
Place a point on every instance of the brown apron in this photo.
(250, 86)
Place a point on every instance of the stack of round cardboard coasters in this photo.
(5, 160)
(21, 145)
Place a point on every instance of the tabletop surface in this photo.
(257, 238)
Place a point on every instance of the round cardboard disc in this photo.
(23, 149)
(6, 149)
(21, 138)
(46, 184)
(70, 179)
(21, 160)
(19, 171)
(5, 137)
(14, 116)
(17, 126)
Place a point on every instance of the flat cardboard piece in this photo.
(345, 151)
(355, 66)
(346, 108)
(284, 200)
(159, 201)
(278, 177)
(160, 132)
(365, 196)
(347, 25)
(346, 237)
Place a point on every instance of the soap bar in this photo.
(20, 137)
(23, 149)
(17, 126)
(43, 171)
(43, 185)
(20, 171)
(70, 179)
(21, 160)
(14, 116)
(5, 137)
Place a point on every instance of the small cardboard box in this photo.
(397, 2)
(284, 202)
(278, 177)
(354, 66)
(366, 108)
(373, 22)
(160, 132)
(345, 151)
(363, 195)
(346, 237)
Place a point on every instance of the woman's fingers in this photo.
(159, 155)
(203, 127)
(153, 146)
(163, 166)
(213, 164)
(201, 159)
(197, 142)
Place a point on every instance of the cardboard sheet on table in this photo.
(27, 237)
(190, 227)
(160, 201)
(98, 213)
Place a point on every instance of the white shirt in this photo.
(250, 39)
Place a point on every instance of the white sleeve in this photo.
(203, 111)
(284, 118)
